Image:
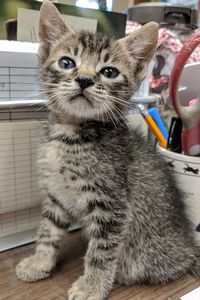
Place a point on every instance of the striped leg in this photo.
(52, 229)
(99, 275)
(104, 229)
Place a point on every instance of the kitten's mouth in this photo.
(80, 97)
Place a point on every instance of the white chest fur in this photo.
(65, 172)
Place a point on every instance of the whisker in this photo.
(121, 115)
(117, 101)
(108, 113)
(123, 104)
(106, 95)
(111, 115)
(43, 106)
(120, 99)
(109, 106)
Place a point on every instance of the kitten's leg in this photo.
(101, 258)
(99, 275)
(52, 229)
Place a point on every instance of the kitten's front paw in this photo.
(80, 290)
(34, 268)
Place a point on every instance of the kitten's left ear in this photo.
(142, 43)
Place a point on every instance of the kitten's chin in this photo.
(81, 101)
(79, 107)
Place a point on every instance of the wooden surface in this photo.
(68, 270)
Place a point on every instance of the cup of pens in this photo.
(180, 148)
(186, 168)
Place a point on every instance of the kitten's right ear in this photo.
(51, 25)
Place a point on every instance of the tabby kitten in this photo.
(98, 171)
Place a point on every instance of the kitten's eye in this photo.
(110, 72)
(66, 63)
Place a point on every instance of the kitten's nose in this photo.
(84, 82)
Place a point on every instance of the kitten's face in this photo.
(87, 76)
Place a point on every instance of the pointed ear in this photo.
(142, 43)
(141, 46)
(51, 26)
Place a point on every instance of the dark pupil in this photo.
(110, 72)
(66, 63)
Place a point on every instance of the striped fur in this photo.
(98, 171)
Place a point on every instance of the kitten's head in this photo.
(91, 76)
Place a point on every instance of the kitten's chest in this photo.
(69, 172)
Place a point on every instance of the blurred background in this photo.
(9, 8)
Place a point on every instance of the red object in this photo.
(191, 130)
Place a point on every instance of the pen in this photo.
(175, 130)
(152, 125)
(155, 115)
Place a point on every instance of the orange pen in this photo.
(153, 126)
